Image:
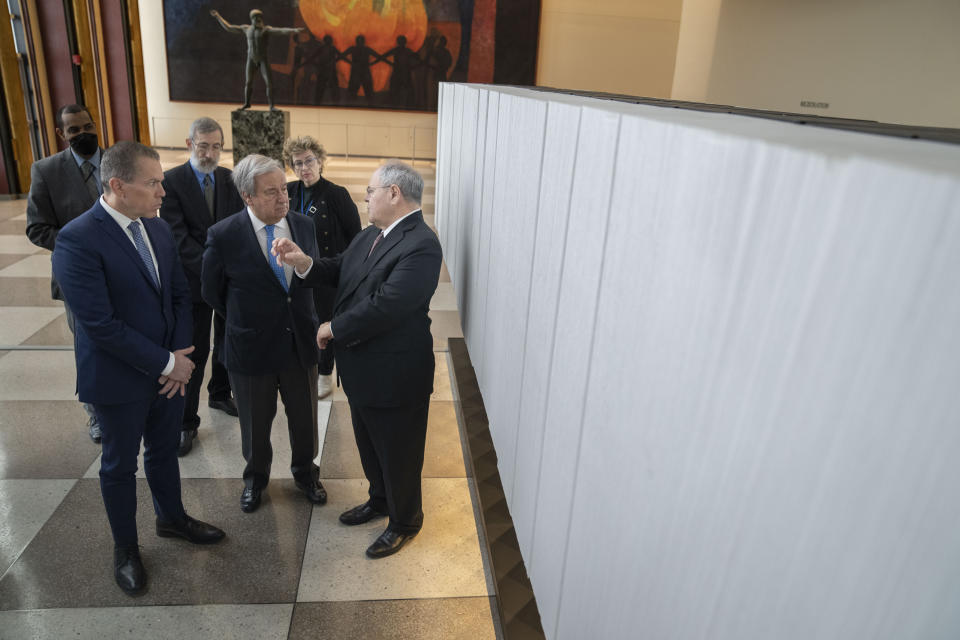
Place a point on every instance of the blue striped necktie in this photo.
(143, 251)
(277, 269)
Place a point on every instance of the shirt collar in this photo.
(199, 174)
(260, 224)
(398, 221)
(94, 159)
(122, 220)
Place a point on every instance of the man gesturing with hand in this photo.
(384, 349)
(119, 271)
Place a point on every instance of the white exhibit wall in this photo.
(720, 360)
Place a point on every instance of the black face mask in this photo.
(84, 144)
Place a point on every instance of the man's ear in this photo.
(60, 133)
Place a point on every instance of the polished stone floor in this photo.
(289, 570)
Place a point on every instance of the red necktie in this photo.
(375, 243)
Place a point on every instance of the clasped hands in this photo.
(287, 252)
(176, 381)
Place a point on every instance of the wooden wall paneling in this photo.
(115, 45)
(13, 102)
(140, 111)
(96, 83)
(35, 24)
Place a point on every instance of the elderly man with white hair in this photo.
(270, 326)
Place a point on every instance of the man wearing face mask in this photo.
(61, 188)
(199, 193)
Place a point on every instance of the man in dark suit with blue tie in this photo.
(199, 194)
(118, 268)
(384, 349)
(270, 323)
(61, 188)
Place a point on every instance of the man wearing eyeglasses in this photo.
(200, 193)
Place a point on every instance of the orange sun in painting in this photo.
(378, 21)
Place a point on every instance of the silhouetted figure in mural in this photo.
(326, 57)
(438, 63)
(257, 34)
(422, 73)
(401, 80)
(359, 58)
(319, 63)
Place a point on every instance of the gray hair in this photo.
(246, 172)
(204, 125)
(407, 179)
(120, 161)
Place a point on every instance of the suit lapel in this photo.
(253, 246)
(358, 274)
(118, 235)
(74, 177)
(197, 203)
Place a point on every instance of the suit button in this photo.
(326, 248)
(323, 215)
(326, 233)
(289, 299)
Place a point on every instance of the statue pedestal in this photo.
(262, 132)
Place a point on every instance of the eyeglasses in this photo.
(370, 190)
(206, 146)
(306, 162)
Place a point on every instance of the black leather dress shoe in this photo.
(186, 442)
(388, 543)
(128, 570)
(95, 434)
(249, 500)
(360, 514)
(190, 529)
(314, 491)
(228, 406)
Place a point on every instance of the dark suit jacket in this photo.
(239, 284)
(381, 329)
(126, 327)
(57, 196)
(185, 209)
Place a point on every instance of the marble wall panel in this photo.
(513, 243)
(556, 180)
(735, 408)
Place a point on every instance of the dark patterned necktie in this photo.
(208, 192)
(90, 180)
(375, 243)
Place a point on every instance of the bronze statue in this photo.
(257, 34)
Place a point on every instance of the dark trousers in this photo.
(71, 323)
(156, 421)
(219, 386)
(202, 315)
(391, 442)
(256, 398)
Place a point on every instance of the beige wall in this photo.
(889, 60)
(354, 131)
(698, 32)
(616, 46)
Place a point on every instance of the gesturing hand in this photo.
(324, 335)
(288, 252)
